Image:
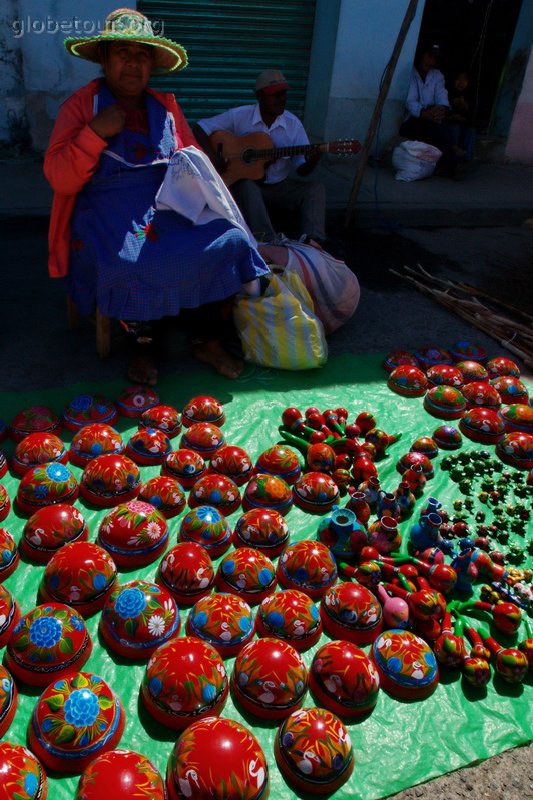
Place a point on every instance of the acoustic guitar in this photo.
(248, 155)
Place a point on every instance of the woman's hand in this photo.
(434, 113)
(108, 122)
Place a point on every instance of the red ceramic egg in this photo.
(148, 446)
(134, 533)
(307, 566)
(73, 721)
(165, 494)
(431, 356)
(445, 402)
(164, 418)
(109, 480)
(472, 371)
(481, 393)
(9, 555)
(35, 419)
(447, 437)
(316, 492)
(314, 751)
(185, 466)
(185, 680)
(47, 643)
(408, 381)
(343, 679)
(280, 460)
(445, 375)
(292, 616)
(465, 350)
(218, 491)
(510, 389)
(8, 700)
(212, 755)
(81, 575)
(269, 678)
(517, 418)
(414, 458)
(247, 573)
(406, 664)
(36, 449)
(122, 774)
(267, 491)
(516, 449)
(9, 614)
(223, 620)
(203, 408)
(263, 529)
(204, 438)
(22, 774)
(96, 439)
(350, 611)
(233, 462)
(137, 617)
(186, 571)
(207, 526)
(399, 358)
(500, 365)
(87, 409)
(425, 445)
(320, 457)
(49, 528)
(5, 503)
(482, 425)
(46, 485)
(134, 400)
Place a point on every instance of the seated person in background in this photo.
(279, 189)
(460, 117)
(107, 157)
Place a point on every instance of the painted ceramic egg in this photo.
(343, 679)
(292, 616)
(86, 409)
(482, 425)
(399, 358)
(431, 356)
(316, 492)
(9, 614)
(93, 440)
(218, 491)
(46, 485)
(74, 720)
(518, 417)
(134, 400)
(500, 365)
(320, 457)
(280, 460)
(8, 701)
(465, 350)
(3, 465)
(35, 419)
(164, 418)
(511, 389)
(267, 491)
(481, 393)
(224, 620)
(185, 680)
(307, 566)
(207, 526)
(204, 438)
(472, 371)
(49, 528)
(233, 462)
(5, 503)
(516, 449)
(187, 572)
(445, 402)
(22, 773)
(134, 534)
(269, 678)
(36, 449)
(184, 465)
(314, 751)
(445, 375)
(165, 494)
(137, 617)
(247, 573)
(425, 445)
(351, 612)
(447, 437)
(109, 480)
(81, 575)
(406, 664)
(148, 446)
(203, 408)
(212, 755)
(408, 381)
(9, 554)
(122, 774)
(47, 643)
(412, 459)
(263, 529)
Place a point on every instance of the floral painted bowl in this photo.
(247, 573)
(500, 365)
(217, 491)
(165, 493)
(406, 664)
(185, 680)
(208, 527)
(8, 701)
(472, 371)
(408, 381)
(46, 485)
(263, 529)
(87, 409)
(5, 503)
(80, 574)
(233, 462)
(431, 356)
(269, 678)
(516, 449)
(134, 534)
(35, 419)
(511, 389)
(343, 679)
(36, 449)
(203, 408)
(184, 465)
(517, 418)
(445, 402)
(315, 492)
(399, 358)
(482, 425)
(49, 528)
(109, 480)
(134, 400)
(9, 554)
(350, 611)
(267, 491)
(187, 572)
(22, 772)
(307, 566)
(481, 393)
(148, 446)
(121, 774)
(445, 375)
(96, 439)
(9, 614)
(447, 437)
(165, 418)
(223, 620)
(425, 445)
(465, 350)
(137, 617)
(204, 438)
(292, 616)
(280, 460)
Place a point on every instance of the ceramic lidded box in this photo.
(5, 503)
(123, 774)
(203, 408)
(510, 389)
(426, 445)
(8, 701)
(184, 465)
(96, 439)
(292, 616)
(447, 437)
(408, 381)
(187, 572)
(218, 491)
(267, 491)
(430, 356)
(500, 365)
(406, 664)
(3, 465)
(516, 449)
(164, 418)
(165, 494)
(466, 350)
(344, 679)
(86, 409)
(518, 417)
(280, 460)
(445, 402)
(148, 446)
(234, 462)
(247, 573)
(9, 614)
(46, 485)
(308, 566)
(36, 449)
(134, 400)
(49, 528)
(315, 492)
(481, 393)
(134, 533)
(263, 529)
(22, 773)
(472, 371)
(35, 419)
(204, 438)
(398, 358)
(9, 554)
(223, 620)
(445, 375)
(350, 611)
(207, 526)
(109, 480)
(482, 425)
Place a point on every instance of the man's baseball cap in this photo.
(271, 81)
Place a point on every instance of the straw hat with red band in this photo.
(271, 81)
(128, 25)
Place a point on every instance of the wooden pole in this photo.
(385, 86)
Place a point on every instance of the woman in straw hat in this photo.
(107, 157)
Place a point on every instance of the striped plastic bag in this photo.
(280, 329)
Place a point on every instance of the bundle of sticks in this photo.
(510, 326)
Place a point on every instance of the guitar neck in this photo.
(287, 152)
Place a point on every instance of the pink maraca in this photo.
(395, 609)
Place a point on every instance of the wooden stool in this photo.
(101, 322)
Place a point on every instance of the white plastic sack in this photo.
(414, 160)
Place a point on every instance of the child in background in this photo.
(459, 117)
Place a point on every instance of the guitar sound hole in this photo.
(248, 155)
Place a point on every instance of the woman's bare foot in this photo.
(142, 368)
(213, 353)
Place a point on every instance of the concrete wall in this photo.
(13, 122)
(520, 140)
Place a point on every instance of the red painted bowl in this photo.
(46, 485)
(217, 491)
(35, 419)
(187, 572)
(185, 680)
(350, 611)
(9, 554)
(280, 460)
(247, 573)
(500, 365)
(472, 371)
(445, 402)
(516, 449)
(223, 620)
(316, 492)
(137, 617)
(464, 350)
(49, 528)
(207, 526)
(135, 534)
(185, 466)
(36, 449)
(73, 721)
(109, 480)
(9, 614)
(447, 437)
(80, 574)
(5, 503)
(482, 425)
(165, 418)
(203, 408)
(406, 664)
(263, 529)
(134, 400)
(292, 616)
(481, 393)
(343, 679)
(96, 439)
(431, 356)
(8, 700)
(121, 774)
(267, 491)
(511, 389)
(408, 381)
(445, 375)
(204, 438)
(233, 462)
(86, 409)
(517, 418)
(269, 679)
(399, 358)
(22, 772)
(148, 446)
(307, 566)
(165, 494)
